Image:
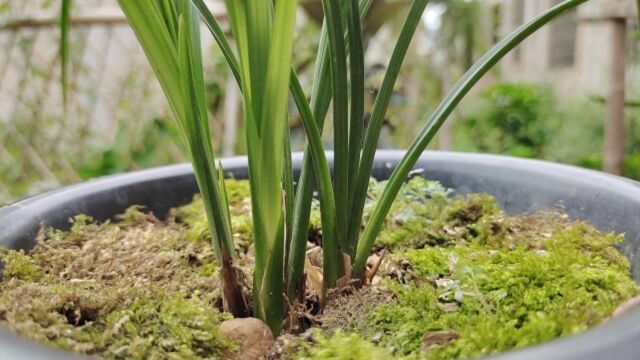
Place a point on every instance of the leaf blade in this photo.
(377, 118)
(65, 27)
(453, 98)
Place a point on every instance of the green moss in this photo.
(506, 282)
(166, 326)
(193, 216)
(341, 346)
(490, 282)
(20, 266)
(426, 214)
(460, 279)
(137, 288)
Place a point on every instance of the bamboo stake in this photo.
(614, 132)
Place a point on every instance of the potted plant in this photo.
(280, 213)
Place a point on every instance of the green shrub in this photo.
(513, 118)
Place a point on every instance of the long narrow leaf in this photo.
(288, 191)
(320, 98)
(300, 214)
(327, 199)
(356, 121)
(377, 117)
(453, 98)
(224, 197)
(219, 36)
(265, 52)
(65, 25)
(153, 22)
(170, 13)
(157, 43)
(196, 128)
(335, 30)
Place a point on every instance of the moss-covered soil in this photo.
(458, 278)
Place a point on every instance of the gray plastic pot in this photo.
(609, 203)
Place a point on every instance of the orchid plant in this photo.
(264, 35)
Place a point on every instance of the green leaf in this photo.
(335, 30)
(320, 99)
(288, 191)
(377, 118)
(299, 213)
(196, 127)
(224, 198)
(327, 199)
(220, 37)
(453, 98)
(146, 19)
(356, 121)
(174, 53)
(265, 49)
(65, 26)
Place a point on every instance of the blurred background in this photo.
(566, 95)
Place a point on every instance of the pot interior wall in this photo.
(607, 202)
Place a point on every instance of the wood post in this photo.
(614, 131)
(232, 101)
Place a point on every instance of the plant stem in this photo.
(296, 249)
(169, 34)
(327, 199)
(265, 51)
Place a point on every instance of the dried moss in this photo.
(136, 289)
(460, 279)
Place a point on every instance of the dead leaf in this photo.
(314, 281)
(315, 256)
(375, 265)
(448, 307)
(437, 338)
(346, 279)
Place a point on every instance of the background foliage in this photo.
(41, 148)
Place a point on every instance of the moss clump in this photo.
(341, 346)
(425, 214)
(489, 283)
(20, 266)
(460, 279)
(155, 327)
(138, 288)
(194, 217)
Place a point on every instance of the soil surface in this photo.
(456, 277)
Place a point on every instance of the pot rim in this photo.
(615, 339)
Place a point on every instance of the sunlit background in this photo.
(567, 94)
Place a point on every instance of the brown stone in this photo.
(252, 336)
(438, 338)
